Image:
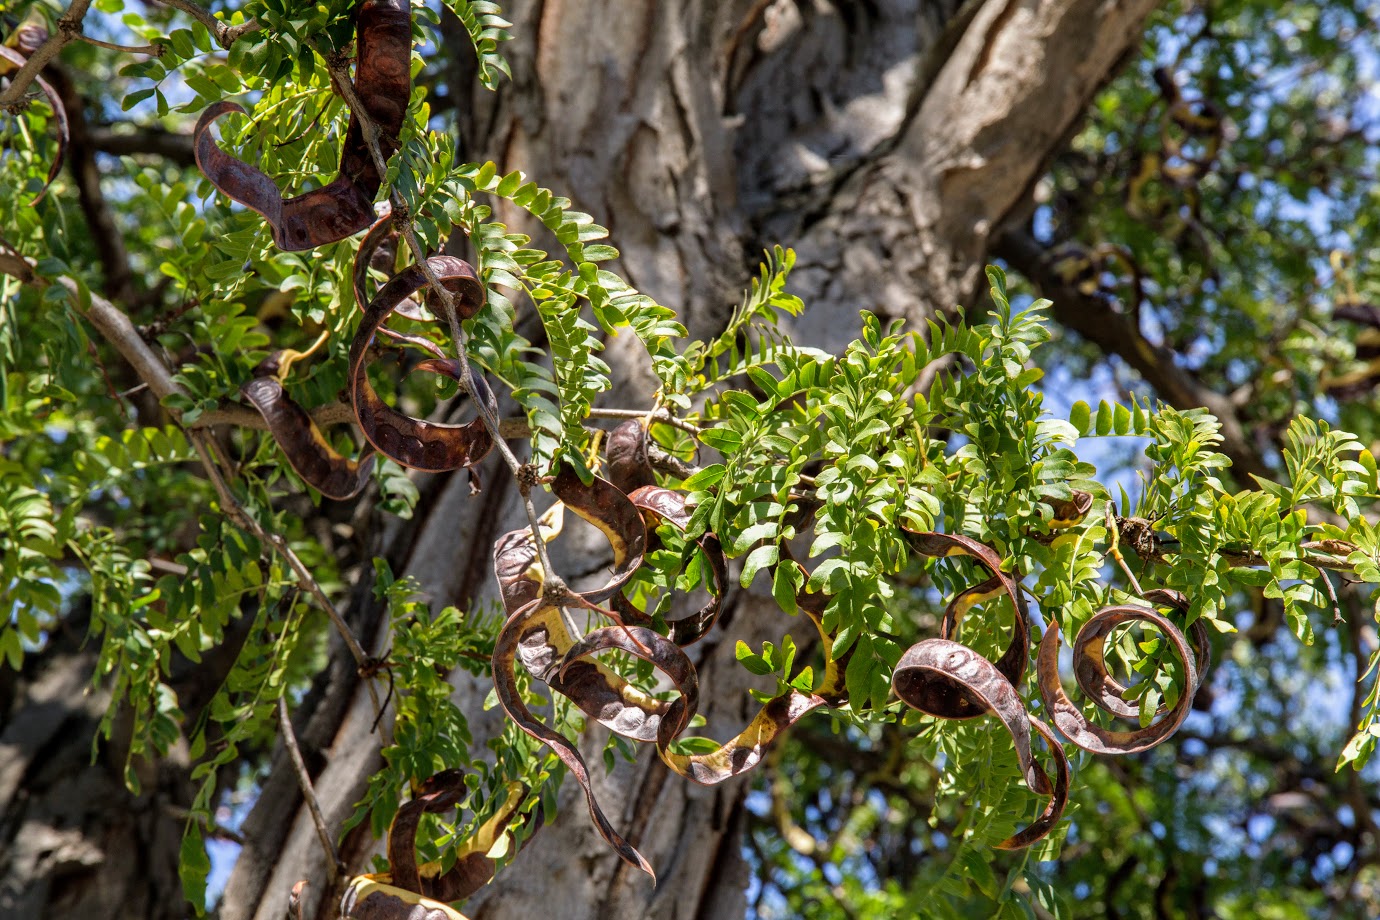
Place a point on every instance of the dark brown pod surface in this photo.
(302, 443)
(417, 443)
(344, 207)
(1071, 722)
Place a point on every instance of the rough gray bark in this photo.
(887, 142)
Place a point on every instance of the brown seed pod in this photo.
(934, 672)
(1067, 717)
(657, 505)
(54, 100)
(302, 443)
(1058, 800)
(629, 468)
(1014, 660)
(630, 714)
(606, 507)
(383, 83)
(472, 869)
(505, 686)
(369, 899)
(740, 753)
(1090, 665)
(414, 442)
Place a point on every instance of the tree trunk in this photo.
(888, 142)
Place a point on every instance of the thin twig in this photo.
(1115, 550)
(154, 50)
(299, 766)
(225, 34)
(68, 28)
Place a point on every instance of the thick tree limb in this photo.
(174, 147)
(1115, 333)
(68, 28)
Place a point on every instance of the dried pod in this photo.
(616, 704)
(531, 621)
(27, 40)
(934, 673)
(740, 753)
(414, 442)
(626, 451)
(657, 505)
(368, 899)
(383, 82)
(1087, 646)
(378, 250)
(303, 444)
(1090, 665)
(1013, 662)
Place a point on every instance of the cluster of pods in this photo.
(938, 676)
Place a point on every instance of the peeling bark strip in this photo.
(383, 81)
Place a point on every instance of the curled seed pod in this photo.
(54, 100)
(1058, 800)
(619, 706)
(302, 443)
(831, 686)
(1066, 716)
(626, 451)
(506, 689)
(740, 753)
(472, 869)
(383, 82)
(1090, 665)
(1012, 664)
(414, 442)
(1069, 511)
(438, 794)
(369, 899)
(932, 673)
(378, 250)
(611, 511)
(657, 505)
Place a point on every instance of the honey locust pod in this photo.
(626, 451)
(378, 250)
(416, 443)
(529, 625)
(613, 702)
(473, 868)
(954, 702)
(1071, 722)
(740, 753)
(59, 111)
(1090, 664)
(934, 672)
(345, 206)
(663, 505)
(307, 451)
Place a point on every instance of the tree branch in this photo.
(116, 328)
(177, 148)
(225, 34)
(1116, 333)
(68, 28)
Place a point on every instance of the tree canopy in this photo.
(837, 574)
